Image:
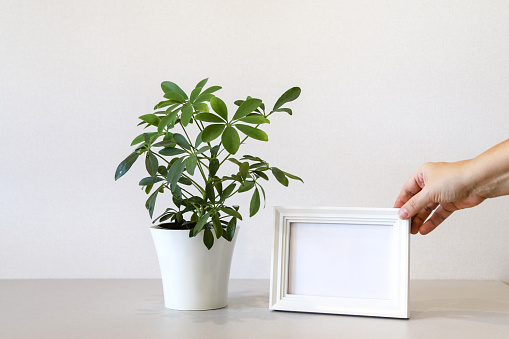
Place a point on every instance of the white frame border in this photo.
(282, 301)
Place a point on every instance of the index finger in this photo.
(410, 189)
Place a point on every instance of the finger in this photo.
(421, 217)
(410, 189)
(441, 213)
(415, 205)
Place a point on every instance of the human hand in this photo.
(438, 188)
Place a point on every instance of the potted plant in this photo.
(188, 140)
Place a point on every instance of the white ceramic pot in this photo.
(194, 278)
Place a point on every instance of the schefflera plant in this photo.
(190, 137)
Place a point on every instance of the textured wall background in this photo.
(386, 86)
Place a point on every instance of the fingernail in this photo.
(403, 213)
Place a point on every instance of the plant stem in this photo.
(195, 184)
(160, 156)
(191, 144)
(240, 143)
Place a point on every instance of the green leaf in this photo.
(208, 238)
(187, 114)
(244, 169)
(262, 175)
(213, 166)
(199, 225)
(280, 176)
(218, 228)
(203, 149)
(198, 140)
(255, 120)
(150, 181)
(246, 186)
(151, 119)
(166, 217)
(203, 98)
(254, 206)
(165, 143)
(194, 217)
(294, 177)
(151, 164)
(240, 102)
(212, 89)
(177, 194)
(209, 189)
(219, 187)
(206, 94)
(258, 165)
(175, 173)
(173, 169)
(290, 95)
(181, 141)
(167, 120)
(252, 132)
(151, 202)
(164, 104)
(227, 191)
(174, 96)
(211, 132)
(168, 136)
(231, 212)
(287, 110)
(158, 113)
(219, 107)
(208, 117)
(125, 165)
(174, 160)
(146, 138)
(195, 93)
(191, 164)
(171, 151)
(231, 140)
(214, 151)
(202, 83)
(169, 86)
(230, 229)
(201, 107)
(140, 138)
(247, 107)
(264, 198)
(185, 181)
(235, 161)
(162, 170)
(250, 157)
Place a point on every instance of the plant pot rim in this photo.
(157, 227)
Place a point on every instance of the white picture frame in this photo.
(351, 261)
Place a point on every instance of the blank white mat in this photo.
(355, 261)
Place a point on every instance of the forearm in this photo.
(490, 171)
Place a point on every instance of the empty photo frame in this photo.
(341, 261)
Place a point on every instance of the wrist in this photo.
(489, 175)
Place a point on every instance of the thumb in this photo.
(414, 205)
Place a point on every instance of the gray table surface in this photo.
(134, 309)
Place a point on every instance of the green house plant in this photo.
(185, 146)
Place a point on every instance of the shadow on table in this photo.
(243, 306)
(467, 309)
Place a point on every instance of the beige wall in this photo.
(386, 86)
